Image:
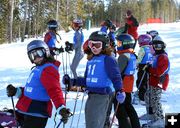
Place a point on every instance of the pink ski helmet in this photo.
(144, 39)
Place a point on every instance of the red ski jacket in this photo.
(159, 76)
(50, 81)
(131, 27)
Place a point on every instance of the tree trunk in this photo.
(24, 25)
(11, 21)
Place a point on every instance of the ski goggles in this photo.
(37, 53)
(158, 46)
(95, 44)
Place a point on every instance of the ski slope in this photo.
(15, 68)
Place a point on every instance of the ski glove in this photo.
(67, 81)
(11, 90)
(60, 50)
(57, 51)
(65, 113)
(120, 97)
(146, 67)
(69, 47)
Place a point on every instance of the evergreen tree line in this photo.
(28, 18)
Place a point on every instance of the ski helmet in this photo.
(38, 45)
(144, 39)
(52, 24)
(153, 33)
(77, 23)
(158, 44)
(126, 40)
(100, 36)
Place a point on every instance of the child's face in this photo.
(119, 43)
(95, 46)
(36, 56)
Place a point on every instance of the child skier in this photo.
(158, 81)
(105, 25)
(144, 57)
(100, 80)
(50, 38)
(126, 114)
(78, 40)
(41, 89)
(112, 38)
(153, 34)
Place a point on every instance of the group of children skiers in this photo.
(108, 78)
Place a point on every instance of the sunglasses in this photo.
(95, 44)
(37, 53)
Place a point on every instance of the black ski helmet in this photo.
(38, 44)
(52, 25)
(127, 41)
(158, 44)
(100, 36)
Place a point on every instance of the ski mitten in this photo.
(65, 113)
(11, 90)
(120, 97)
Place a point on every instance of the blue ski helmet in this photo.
(126, 40)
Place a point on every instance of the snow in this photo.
(15, 68)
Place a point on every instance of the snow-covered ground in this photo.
(15, 68)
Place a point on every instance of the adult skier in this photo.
(131, 26)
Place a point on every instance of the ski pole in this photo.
(14, 112)
(74, 107)
(141, 79)
(149, 95)
(133, 100)
(70, 64)
(81, 108)
(114, 115)
(63, 63)
(64, 72)
(59, 124)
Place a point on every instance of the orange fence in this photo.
(154, 20)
